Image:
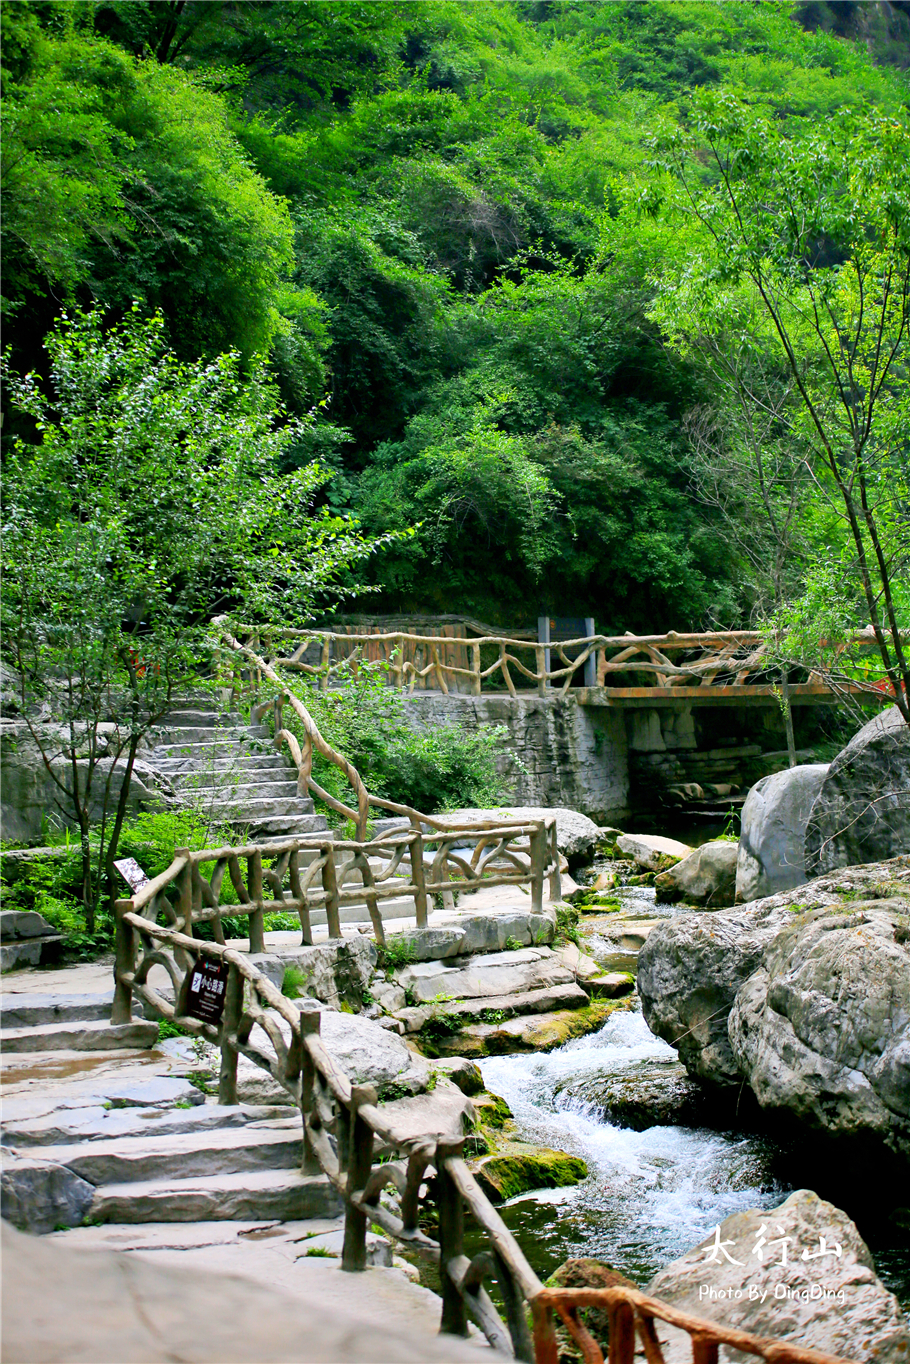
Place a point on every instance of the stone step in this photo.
(30, 951)
(200, 716)
(269, 786)
(291, 826)
(94, 1124)
(31, 1011)
(248, 811)
(247, 763)
(75, 1036)
(182, 1155)
(255, 1195)
(239, 794)
(203, 736)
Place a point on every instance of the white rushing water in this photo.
(649, 1195)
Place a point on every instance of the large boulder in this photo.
(706, 877)
(862, 811)
(823, 1026)
(689, 970)
(773, 833)
(691, 967)
(651, 852)
(576, 835)
(800, 1273)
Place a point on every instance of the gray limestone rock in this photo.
(689, 971)
(651, 852)
(832, 1302)
(691, 967)
(370, 1054)
(774, 818)
(16, 923)
(823, 1026)
(37, 1195)
(498, 973)
(576, 835)
(706, 877)
(462, 1072)
(862, 811)
(95, 1306)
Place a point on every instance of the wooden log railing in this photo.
(316, 874)
(383, 1174)
(688, 662)
(731, 656)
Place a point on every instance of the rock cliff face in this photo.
(805, 995)
(821, 1028)
(862, 810)
(575, 756)
(689, 971)
(774, 818)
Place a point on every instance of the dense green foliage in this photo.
(433, 768)
(417, 212)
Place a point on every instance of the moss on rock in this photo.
(530, 1032)
(516, 1168)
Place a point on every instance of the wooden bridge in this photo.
(731, 667)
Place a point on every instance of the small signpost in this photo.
(132, 873)
(205, 990)
(207, 980)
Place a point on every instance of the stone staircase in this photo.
(231, 773)
(138, 1147)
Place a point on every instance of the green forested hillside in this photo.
(432, 216)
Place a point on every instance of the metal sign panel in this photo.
(205, 991)
(132, 873)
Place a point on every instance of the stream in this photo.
(651, 1194)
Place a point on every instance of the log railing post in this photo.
(330, 886)
(538, 858)
(324, 664)
(309, 1160)
(451, 1241)
(418, 876)
(516, 1320)
(257, 915)
(185, 892)
(476, 679)
(555, 872)
(360, 1163)
(622, 1333)
(546, 1348)
(230, 1022)
(124, 960)
(540, 653)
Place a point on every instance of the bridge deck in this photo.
(799, 694)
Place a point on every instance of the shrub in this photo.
(445, 767)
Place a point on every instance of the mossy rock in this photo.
(530, 1032)
(491, 1110)
(516, 1168)
(586, 1273)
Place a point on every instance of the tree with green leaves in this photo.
(149, 501)
(801, 251)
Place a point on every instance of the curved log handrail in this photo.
(346, 1129)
